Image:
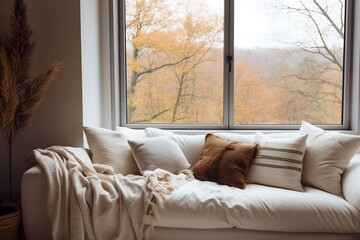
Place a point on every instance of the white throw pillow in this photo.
(327, 156)
(158, 152)
(278, 161)
(129, 132)
(191, 145)
(111, 148)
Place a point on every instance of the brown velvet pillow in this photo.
(224, 161)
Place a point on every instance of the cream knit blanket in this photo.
(90, 201)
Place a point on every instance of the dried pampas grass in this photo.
(20, 95)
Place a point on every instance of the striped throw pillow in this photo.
(278, 161)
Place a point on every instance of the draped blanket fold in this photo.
(90, 201)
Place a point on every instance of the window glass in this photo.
(288, 63)
(174, 61)
(288, 59)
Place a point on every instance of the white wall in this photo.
(58, 120)
(91, 62)
(95, 47)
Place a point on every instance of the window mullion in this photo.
(348, 50)
(123, 63)
(228, 75)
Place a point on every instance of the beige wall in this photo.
(58, 120)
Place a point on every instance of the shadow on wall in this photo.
(58, 120)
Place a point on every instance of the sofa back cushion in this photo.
(245, 138)
(327, 156)
(224, 161)
(278, 162)
(192, 145)
(111, 148)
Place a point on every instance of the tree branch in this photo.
(326, 15)
(152, 117)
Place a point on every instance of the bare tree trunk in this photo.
(178, 98)
(131, 92)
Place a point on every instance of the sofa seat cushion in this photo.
(205, 205)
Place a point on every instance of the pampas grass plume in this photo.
(20, 95)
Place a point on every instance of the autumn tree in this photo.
(145, 22)
(165, 50)
(256, 101)
(199, 35)
(315, 85)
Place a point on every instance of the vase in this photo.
(9, 222)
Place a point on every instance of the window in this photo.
(234, 64)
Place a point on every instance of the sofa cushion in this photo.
(278, 162)
(224, 161)
(191, 145)
(128, 132)
(158, 152)
(250, 138)
(245, 138)
(327, 156)
(206, 205)
(350, 182)
(111, 148)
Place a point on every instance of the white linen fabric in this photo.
(191, 145)
(245, 138)
(327, 156)
(129, 132)
(278, 161)
(88, 201)
(350, 182)
(158, 152)
(250, 138)
(111, 148)
(257, 207)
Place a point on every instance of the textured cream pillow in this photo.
(191, 145)
(111, 148)
(158, 152)
(278, 161)
(327, 156)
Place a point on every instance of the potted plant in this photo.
(20, 95)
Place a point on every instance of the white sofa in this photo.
(206, 210)
(281, 214)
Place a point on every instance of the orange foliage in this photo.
(255, 101)
(175, 73)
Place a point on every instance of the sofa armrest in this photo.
(34, 201)
(351, 182)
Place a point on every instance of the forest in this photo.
(175, 65)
